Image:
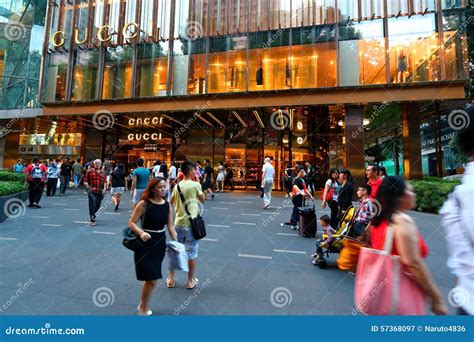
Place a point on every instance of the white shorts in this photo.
(118, 190)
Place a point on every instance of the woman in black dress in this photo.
(154, 212)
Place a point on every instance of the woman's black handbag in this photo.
(198, 228)
(131, 240)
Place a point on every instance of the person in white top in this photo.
(156, 168)
(457, 219)
(220, 177)
(268, 173)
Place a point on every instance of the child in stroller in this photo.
(325, 242)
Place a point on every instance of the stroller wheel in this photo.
(322, 264)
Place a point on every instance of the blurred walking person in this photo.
(35, 176)
(95, 183)
(77, 170)
(220, 177)
(154, 212)
(65, 176)
(346, 193)
(52, 183)
(141, 177)
(396, 198)
(191, 192)
(268, 174)
(118, 184)
(374, 181)
(207, 178)
(330, 196)
(458, 218)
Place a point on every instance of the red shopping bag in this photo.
(382, 287)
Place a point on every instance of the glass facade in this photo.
(154, 48)
(21, 37)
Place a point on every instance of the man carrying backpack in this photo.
(35, 178)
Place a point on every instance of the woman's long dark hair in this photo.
(331, 172)
(347, 172)
(388, 198)
(149, 193)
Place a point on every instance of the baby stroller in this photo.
(342, 231)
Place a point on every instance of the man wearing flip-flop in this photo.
(192, 194)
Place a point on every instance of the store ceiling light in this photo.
(215, 119)
(257, 116)
(239, 118)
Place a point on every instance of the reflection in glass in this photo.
(414, 49)
(117, 72)
(85, 74)
(455, 45)
(227, 64)
(152, 65)
(362, 53)
(55, 77)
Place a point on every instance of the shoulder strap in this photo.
(181, 196)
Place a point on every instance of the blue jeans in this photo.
(77, 180)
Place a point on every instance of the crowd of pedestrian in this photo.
(382, 207)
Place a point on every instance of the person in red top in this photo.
(35, 176)
(396, 197)
(374, 181)
(96, 186)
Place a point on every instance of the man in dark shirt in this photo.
(207, 180)
(347, 190)
(65, 174)
(94, 181)
(298, 193)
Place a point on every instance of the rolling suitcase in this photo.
(308, 224)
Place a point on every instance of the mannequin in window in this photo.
(402, 67)
(259, 75)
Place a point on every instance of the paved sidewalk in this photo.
(249, 264)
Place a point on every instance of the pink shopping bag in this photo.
(382, 287)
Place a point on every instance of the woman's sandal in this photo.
(195, 282)
(170, 284)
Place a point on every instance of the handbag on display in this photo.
(382, 287)
(198, 228)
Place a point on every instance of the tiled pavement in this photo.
(53, 264)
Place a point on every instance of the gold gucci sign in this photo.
(103, 34)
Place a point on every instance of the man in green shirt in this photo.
(193, 196)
